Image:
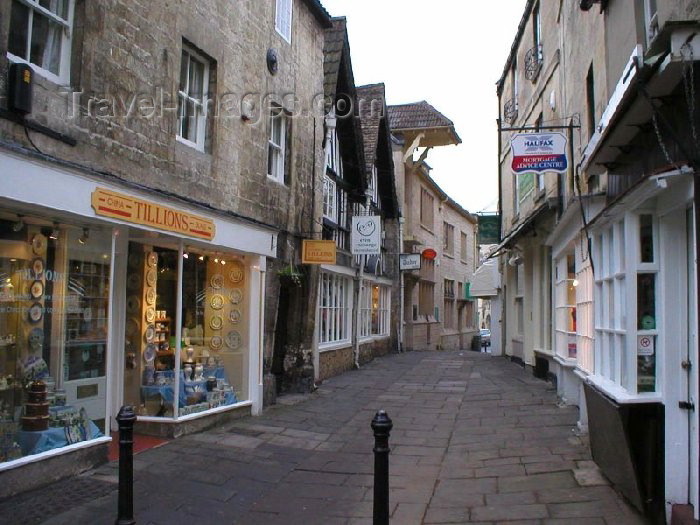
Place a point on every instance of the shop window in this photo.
(448, 238)
(519, 296)
(40, 35)
(545, 286)
(54, 297)
(283, 19)
(192, 98)
(334, 161)
(206, 367)
(565, 306)
(365, 322)
(381, 303)
(334, 308)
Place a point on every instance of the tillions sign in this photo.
(539, 153)
(138, 211)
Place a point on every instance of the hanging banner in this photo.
(107, 203)
(366, 235)
(539, 153)
(318, 252)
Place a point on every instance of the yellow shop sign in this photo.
(318, 252)
(138, 211)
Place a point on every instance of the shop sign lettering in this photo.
(366, 235)
(318, 252)
(539, 153)
(107, 203)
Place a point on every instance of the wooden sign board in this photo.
(318, 252)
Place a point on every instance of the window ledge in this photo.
(373, 338)
(568, 362)
(43, 73)
(619, 394)
(448, 255)
(427, 229)
(190, 144)
(329, 347)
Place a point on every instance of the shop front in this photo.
(111, 296)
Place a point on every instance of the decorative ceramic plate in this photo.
(38, 267)
(151, 277)
(133, 281)
(152, 259)
(37, 289)
(36, 312)
(150, 333)
(149, 354)
(236, 296)
(217, 302)
(38, 244)
(216, 322)
(133, 304)
(132, 326)
(233, 340)
(151, 296)
(217, 281)
(215, 343)
(36, 338)
(234, 316)
(237, 272)
(150, 314)
(87, 314)
(134, 259)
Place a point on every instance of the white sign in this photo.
(366, 237)
(409, 261)
(539, 153)
(645, 345)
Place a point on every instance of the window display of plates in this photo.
(133, 281)
(150, 333)
(133, 304)
(216, 322)
(37, 289)
(36, 338)
(217, 281)
(36, 312)
(215, 343)
(152, 259)
(132, 326)
(149, 354)
(38, 267)
(151, 277)
(233, 340)
(236, 296)
(151, 296)
(236, 273)
(150, 314)
(217, 302)
(235, 316)
(134, 259)
(38, 244)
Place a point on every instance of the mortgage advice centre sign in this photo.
(539, 153)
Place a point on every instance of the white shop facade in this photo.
(114, 295)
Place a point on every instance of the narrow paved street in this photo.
(476, 439)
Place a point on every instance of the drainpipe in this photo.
(401, 284)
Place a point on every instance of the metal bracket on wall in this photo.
(686, 405)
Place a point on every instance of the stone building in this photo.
(156, 183)
(604, 263)
(438, 312)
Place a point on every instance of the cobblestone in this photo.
(475, 439)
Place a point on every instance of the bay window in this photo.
(335, 302)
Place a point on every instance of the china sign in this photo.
(539, 153)
(366, 238)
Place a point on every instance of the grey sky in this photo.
(450, 53)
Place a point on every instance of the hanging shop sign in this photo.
(366, 237)
(318, 252)
(108, 203)
(539, 153)
(429, 254)
(489, 229)
(409, 261)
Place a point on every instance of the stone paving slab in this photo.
(476, 439)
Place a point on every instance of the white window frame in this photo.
(565, 305)
(330, 199)
(374, 187)
(365, 319)
(184, 95)
(383, 312)
(336, 302)
(519, 299)
(283, 19)
(334, 160)
(63, 77)
(277, 117)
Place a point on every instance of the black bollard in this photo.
(381, 425)
(126, 419)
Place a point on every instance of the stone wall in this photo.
(374, 348)
(335, 362)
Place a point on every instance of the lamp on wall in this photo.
(54, 232)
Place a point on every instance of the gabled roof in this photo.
(335, 43)
(421, 117)
(319, 12)
(376, 136)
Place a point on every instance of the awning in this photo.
(513, 235)
(486, 280)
